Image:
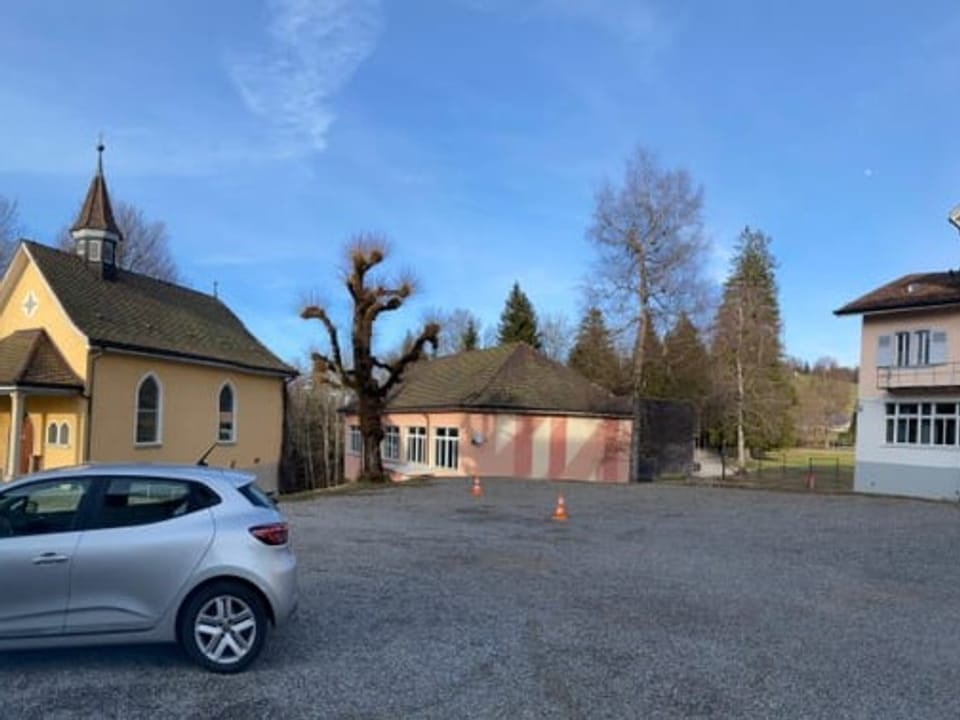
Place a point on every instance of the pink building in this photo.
(501, 412)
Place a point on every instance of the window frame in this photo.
(416, 438)
(902, 348)
(919, 423)
(354, 440)
(446, 447)
(158, 435)
(391, 443)
(227, 385)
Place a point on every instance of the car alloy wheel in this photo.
(224, 627)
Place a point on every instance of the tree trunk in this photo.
(371, 428)
(741, 395)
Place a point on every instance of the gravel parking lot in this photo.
(651, 602)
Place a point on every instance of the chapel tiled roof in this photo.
(513, 378)
(138, 313)
(29, 358)
(96, 213)
(910, 291)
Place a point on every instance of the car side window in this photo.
(41, 508)
(141, 501)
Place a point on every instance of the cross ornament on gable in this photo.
(30, 304)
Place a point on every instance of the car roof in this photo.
(201, 473)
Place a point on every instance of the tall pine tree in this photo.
(593, 354)
(518, 321)
(654, 380)
(687, 363)
(748, 355)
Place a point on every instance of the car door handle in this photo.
(49, 558)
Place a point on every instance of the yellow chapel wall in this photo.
(47, 315)
(189, 414)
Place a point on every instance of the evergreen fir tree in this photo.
(470, 339)
(654, 380)
(687, 363)
(747, 351)
(518, 321)
(593, 354)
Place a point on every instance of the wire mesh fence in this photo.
(793, 470)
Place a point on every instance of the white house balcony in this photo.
(944, 375)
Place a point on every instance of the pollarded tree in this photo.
(518, 321)
(593, 354)
(368, 377)
(748, 358)
(649, 237)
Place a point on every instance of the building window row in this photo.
(446, 445)
(922, 423)
(148, 416)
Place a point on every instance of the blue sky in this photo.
(474, 134)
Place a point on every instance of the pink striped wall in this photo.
(520, 446)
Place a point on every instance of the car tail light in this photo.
(272, 534)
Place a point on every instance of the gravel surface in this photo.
(650, 602)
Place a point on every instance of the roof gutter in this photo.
(138, 351)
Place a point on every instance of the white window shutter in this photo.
(885, 351)
(938, 347)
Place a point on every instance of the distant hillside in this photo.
(824, 409)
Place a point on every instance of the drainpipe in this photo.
(16, 427)
(92, 357)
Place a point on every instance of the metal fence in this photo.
(794, 471)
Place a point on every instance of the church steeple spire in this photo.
(95, 231)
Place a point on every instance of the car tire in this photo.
(223, 627)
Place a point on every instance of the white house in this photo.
(909, 391)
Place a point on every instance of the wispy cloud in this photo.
(313, 47)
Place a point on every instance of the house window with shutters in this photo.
(912, 348)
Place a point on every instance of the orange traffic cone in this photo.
(560, 512)
(476, 490)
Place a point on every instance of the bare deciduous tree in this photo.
(368, 377)
(313, 442)
(557, 334)
(649, 236)
(460, 330)
(145, 247)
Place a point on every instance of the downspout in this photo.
(92, 357)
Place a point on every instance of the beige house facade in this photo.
(99, 364)
(908, 410)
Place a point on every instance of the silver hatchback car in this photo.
(106, 554)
